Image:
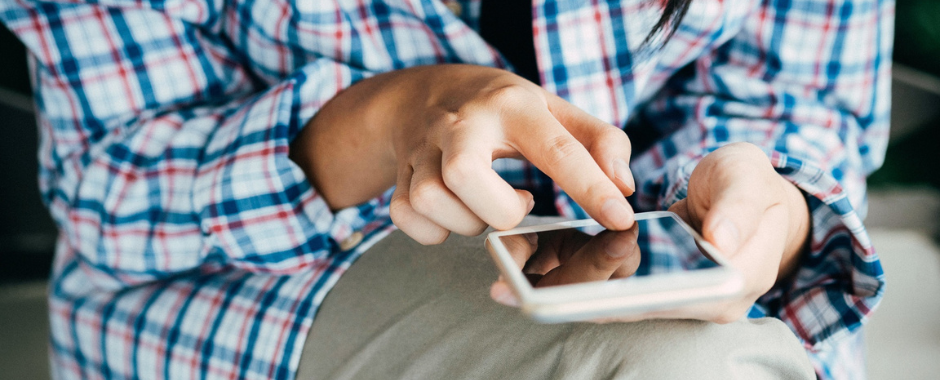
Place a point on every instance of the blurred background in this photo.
(903, 339)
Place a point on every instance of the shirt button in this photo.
(455, 8)
(351, 242)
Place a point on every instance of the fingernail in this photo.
(615, 210)
(531, 205)
(533, 238)
(726, 236)
(623, 173)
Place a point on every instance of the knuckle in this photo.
(598, 191)
(507, 221)
(746, 171)
(728, 163)
(448, 126)
(507, 218)
(398, 211)
(398, 204)
(425, 196)
(457, 170)
(403, 216)
(473, 228)
(431, 237)
(449, 119)
(744, 148)
(559, 149)
(614, 136)
(508, 95)
(476, 230)
(744, 156)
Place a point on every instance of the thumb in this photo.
(732, 219)
(681, 208)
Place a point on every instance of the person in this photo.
(215, 167)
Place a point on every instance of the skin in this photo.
(433, 132)
(570, 256)
(740, 205)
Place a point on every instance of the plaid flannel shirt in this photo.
(191, 246)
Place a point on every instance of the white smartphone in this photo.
(669, 266)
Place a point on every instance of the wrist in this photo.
(398, 105)
(389, 105)
(343, 149)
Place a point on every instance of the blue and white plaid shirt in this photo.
(191, 246)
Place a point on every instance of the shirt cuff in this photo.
(255, 204)
(840, 279)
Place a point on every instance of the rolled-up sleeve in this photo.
(162, 151)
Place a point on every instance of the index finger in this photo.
(609, 145)
(551, 148)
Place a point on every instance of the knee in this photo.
(661, 349)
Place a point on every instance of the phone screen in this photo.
(659, 243)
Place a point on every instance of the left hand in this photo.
(756, 218)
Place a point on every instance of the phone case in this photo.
(608, 299)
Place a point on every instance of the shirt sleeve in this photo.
(162, 151)
(808, 81)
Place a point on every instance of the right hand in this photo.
(447, 123)
(445, 179)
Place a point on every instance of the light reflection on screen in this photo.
(585, 254)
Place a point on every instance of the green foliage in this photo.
(917, 35)
(911, 160)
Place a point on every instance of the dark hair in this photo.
(673, 12)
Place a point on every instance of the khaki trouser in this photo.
(406, 311)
